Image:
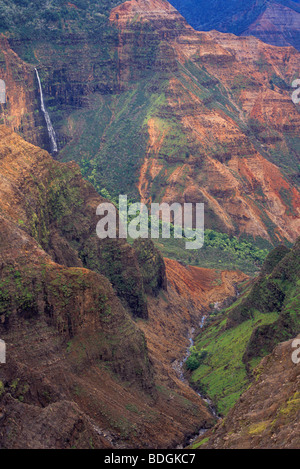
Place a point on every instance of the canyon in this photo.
(267, 415)
(96, 331)
(209, 117)
(89, 358)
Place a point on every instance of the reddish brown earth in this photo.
(176, 312)
(202, 286)
(84, 366)
(222, 127)
(21, 111)
(278, 25)
(220, 162)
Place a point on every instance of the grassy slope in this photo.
(29, 19)
(219, 250)
(223, 375)
(111, 141)
(239, 337)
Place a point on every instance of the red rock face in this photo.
(222, 128)
(22, 99)
(226, 116)
(79, 367)
(277, 25)
(159, 12)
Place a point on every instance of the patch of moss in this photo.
(258, 428)
(199, 444)
(238, 338)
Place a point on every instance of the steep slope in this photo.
(21, 111)
(74, 351)
(41, 196)
(207, 119)
(275, 22)
(174, 315)
(161, 112)
(71, 45)
(267, 414)
(236, 339)
(211, 131)
(203, 287)
(278, 25)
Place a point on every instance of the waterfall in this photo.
(50, 128)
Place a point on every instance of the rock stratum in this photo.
(236, 338)
(96, 331)
(278, 25)
(89, 325)
(165, 113)
(275, 22)
(218, 118)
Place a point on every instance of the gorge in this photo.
(97, 330)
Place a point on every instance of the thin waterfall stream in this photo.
(51, 131)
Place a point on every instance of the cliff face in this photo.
(45, 196)
(159, 12)
(239, 337)
(78, 366)
(164, 113)
(277, 25)
(267, 415)
(273, 21)
(74, 51)
(220, 114)
(151, 108)
(21, 111)
(274, 290)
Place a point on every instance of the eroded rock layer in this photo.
(81, 363)
(221, 113)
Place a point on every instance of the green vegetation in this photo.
(222, 375)
(236, 339)
(31, 19)
(279, 82)
(220, 251)
(106, 161)
(199, 444)
(151, 265)
(196, 358)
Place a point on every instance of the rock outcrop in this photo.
(57, 208)
(21, 110)
(237, 338)
(275, 22)
(220, 112)
(278, 25)
(165, 113)
(74, 351)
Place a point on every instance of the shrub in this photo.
(195, 359)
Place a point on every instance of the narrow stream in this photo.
(180, 369)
